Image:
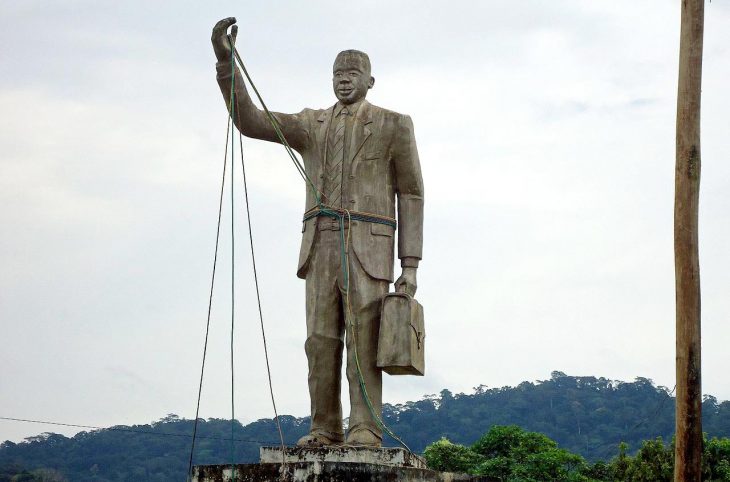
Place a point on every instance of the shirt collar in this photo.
(352, 108)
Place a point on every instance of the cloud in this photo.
(546, 135)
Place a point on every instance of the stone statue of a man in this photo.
(361, 158)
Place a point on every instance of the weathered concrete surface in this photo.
(330, 464)
(325, 472)
(391, 457)
(402, 334)
(360, 161)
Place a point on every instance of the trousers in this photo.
(328, 333)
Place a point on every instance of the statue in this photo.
(361, 158)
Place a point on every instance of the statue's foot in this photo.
(317, 440)
(363, 437)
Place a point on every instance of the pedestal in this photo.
(390, 457)
(330, 464)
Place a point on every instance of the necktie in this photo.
(335, 158)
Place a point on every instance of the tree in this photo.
(445, 456)
(508, 453)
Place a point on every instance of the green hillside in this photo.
(588, 416)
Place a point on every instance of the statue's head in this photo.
(351, 77)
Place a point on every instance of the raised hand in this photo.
(219, 38)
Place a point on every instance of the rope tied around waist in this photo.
(339, 213)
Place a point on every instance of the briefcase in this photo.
(400, 344)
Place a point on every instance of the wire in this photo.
(130, 430)
(210, 302)
(233, 267)
(258, 295)
(229, 132)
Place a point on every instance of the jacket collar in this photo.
(364, 113)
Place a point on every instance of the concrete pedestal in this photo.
(331, 464)
(391, 457)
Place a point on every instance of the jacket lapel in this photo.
(360, 132)
(324, 119)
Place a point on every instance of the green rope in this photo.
(352, 215)
(258, 297)
(233, 273)
(210, 305)
(353, 330)
(277, 129)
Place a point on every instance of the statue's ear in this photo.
(371, 83)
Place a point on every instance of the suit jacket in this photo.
(381, 166)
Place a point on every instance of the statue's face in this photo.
(351, 79)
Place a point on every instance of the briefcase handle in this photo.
(401, 294)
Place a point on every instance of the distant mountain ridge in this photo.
(586, 415)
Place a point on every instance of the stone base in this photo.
(391, 457)
(331, 464)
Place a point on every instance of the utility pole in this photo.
(688, 451)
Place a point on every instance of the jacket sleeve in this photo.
(252, 121)
(409, 190)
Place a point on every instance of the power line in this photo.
(131, 430)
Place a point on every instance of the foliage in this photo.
(654, 462)
(514, 454)
(445, 456)
(508, 453)
(586, 416)
(153, 452)
(511, 454)
(716, 459)
(15, 473)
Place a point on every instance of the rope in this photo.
(210, 303)
(233, 271)
(339, 214)
(277, 128)
(230, 134)
(352, 215)
(353, 330)
(258, 297)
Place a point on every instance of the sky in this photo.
(546, 137)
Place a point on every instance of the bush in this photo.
(508, 453)
(445, 456)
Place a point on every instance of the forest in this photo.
(595, 419)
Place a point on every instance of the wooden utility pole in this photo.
(688, 451)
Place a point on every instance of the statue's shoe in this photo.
(363, 437)
(314, 439)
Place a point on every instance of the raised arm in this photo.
(250, 120)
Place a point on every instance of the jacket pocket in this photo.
(371, 156)
(378, 229)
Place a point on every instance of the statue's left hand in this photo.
(407, 282)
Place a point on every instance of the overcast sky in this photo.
(546, 137)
